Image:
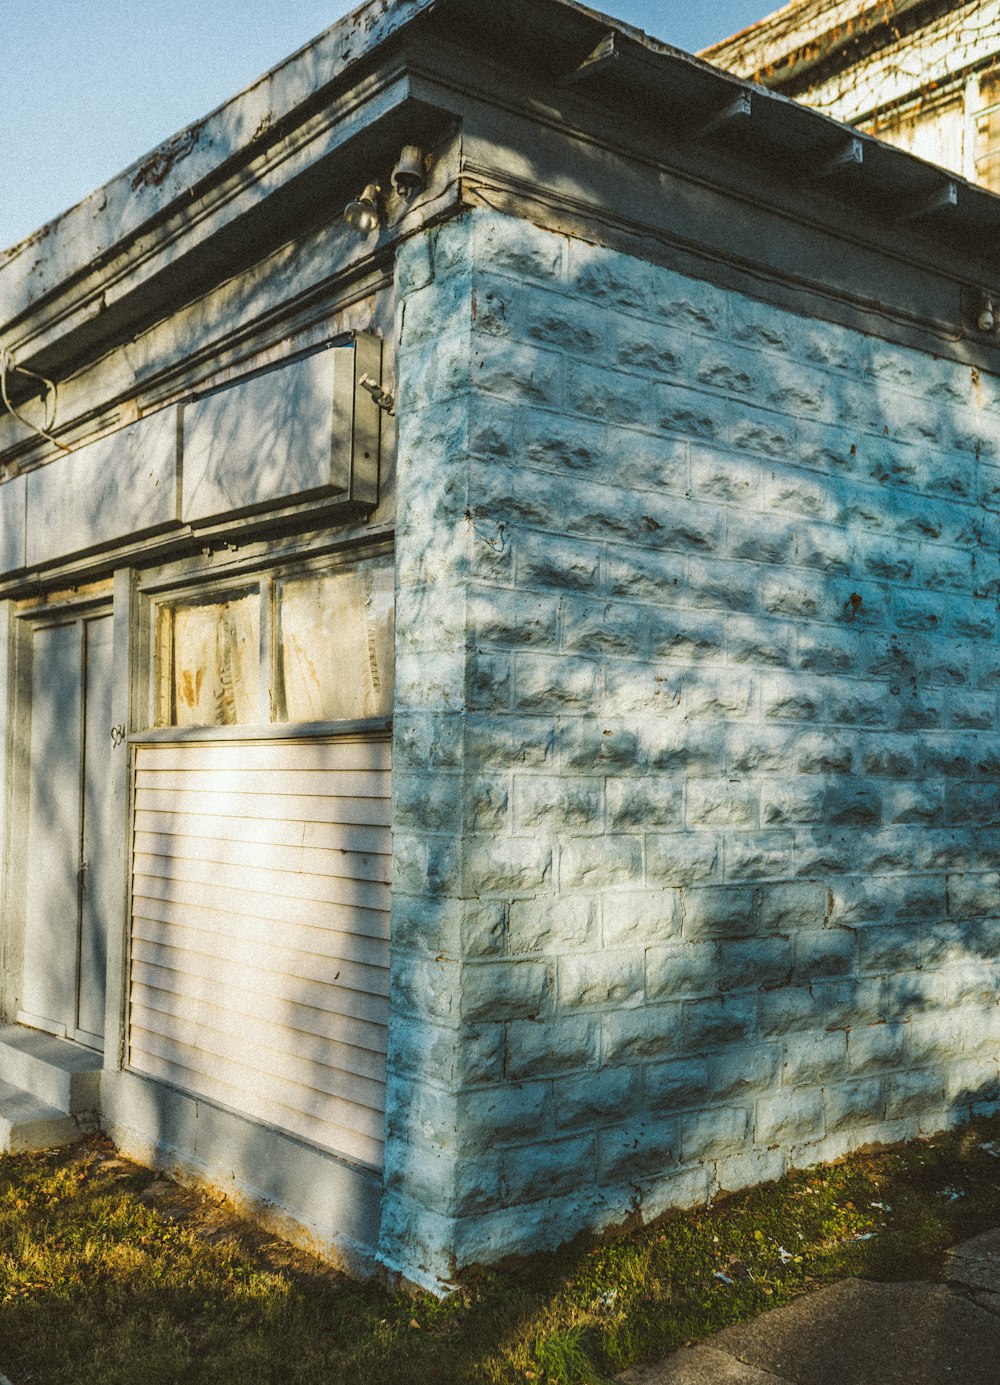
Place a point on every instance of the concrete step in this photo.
(60, 1074)
(27, 1124)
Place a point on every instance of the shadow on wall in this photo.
(724, 897)
(696, 863)
(249, 927)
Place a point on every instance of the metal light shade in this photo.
(986, 313)
(363, 215)
(408, 175)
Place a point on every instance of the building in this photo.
(921, 74)
(657, 850)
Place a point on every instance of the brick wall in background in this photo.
(697, 812)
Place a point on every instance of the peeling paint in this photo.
(154, 170)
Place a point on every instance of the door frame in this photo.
(31, 622)
(117, 597)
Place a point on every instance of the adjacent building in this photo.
(921, 74)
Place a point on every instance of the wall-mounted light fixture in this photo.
(408, 175)
(364, 214)
(367, 212)
(986, 320)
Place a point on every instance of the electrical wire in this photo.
(7, 365)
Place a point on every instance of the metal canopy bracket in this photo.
(848, 159)
(604, 55)
(942, 199)
(735, 112)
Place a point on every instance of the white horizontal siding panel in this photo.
(284, 755)
(210, 1058)
(287, 963)
(322, 993)
(361, 1044)
(365, 894)
(332, 783)
(234, 850)
(327, 836)
(158, 1058)
(252, 831)
(267, 1067)
(260, 931)
(338, 918)
(185, 927)
(372, 811)
(285, 866)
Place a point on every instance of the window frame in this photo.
(205, 587)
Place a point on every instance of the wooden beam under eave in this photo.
(604, 55)
(848, 159)
(942, 199)
(733, 113)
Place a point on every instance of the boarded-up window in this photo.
(328, 656)
(209, 660)
(335, 642)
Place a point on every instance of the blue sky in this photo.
(91, 85)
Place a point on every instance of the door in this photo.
(68, 895)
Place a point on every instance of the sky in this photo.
(89, 86)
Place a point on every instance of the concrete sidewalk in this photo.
(859, 1333)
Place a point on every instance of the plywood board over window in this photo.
(335, 633)
(330, 658)
(210, 661)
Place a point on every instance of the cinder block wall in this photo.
(697, 771)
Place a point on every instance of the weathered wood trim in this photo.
(781, 53)
(303, 553)
(15, 842)
(648, 187)
(187, 230)
(267, 703)
(130, 660)
(287, 302)
(366, 729)
(8, 751)
(367, 429)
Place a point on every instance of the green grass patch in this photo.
(109, 1275)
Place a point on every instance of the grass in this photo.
(111, 1276)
